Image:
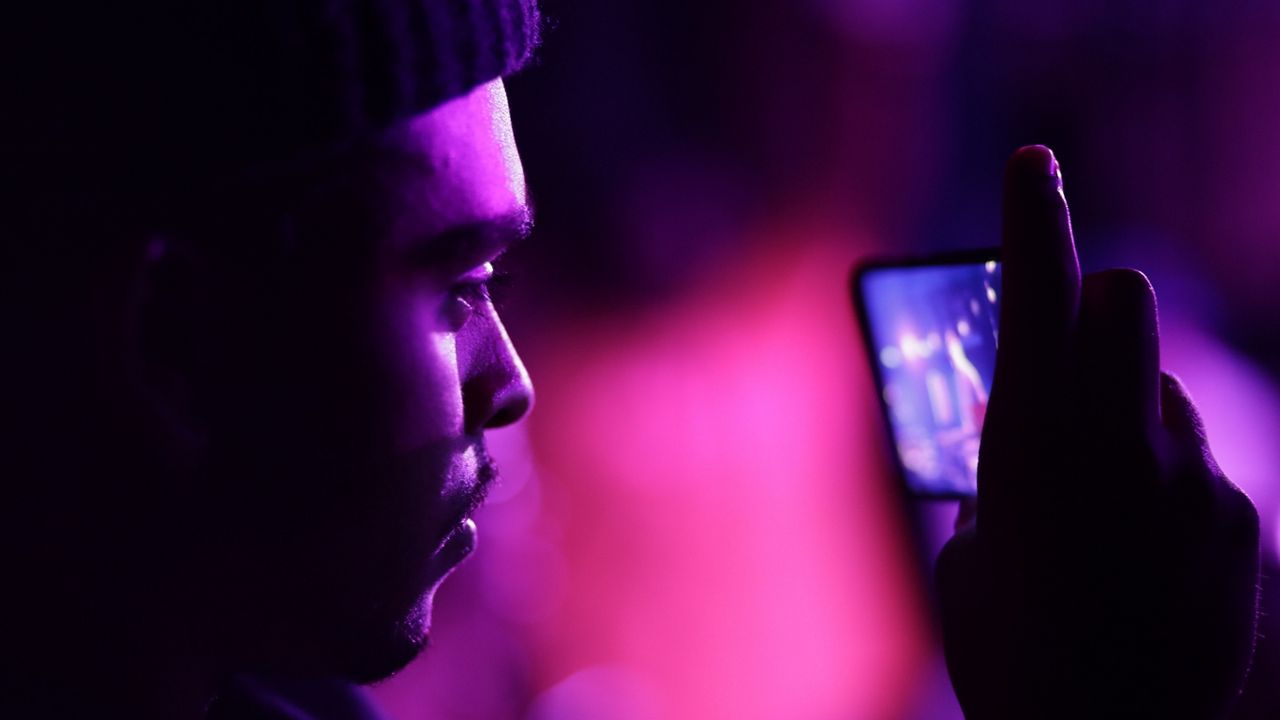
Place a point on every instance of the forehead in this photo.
(458, 164)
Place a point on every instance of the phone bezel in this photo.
(860, 269)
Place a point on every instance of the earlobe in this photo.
(167, 320)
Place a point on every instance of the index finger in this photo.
(1038, 310)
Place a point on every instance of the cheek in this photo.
(421, 371)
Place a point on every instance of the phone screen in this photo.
(932, 332)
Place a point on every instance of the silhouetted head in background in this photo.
(249, 355)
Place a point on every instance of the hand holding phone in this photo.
(1112, 569)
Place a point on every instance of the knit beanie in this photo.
(153, 94)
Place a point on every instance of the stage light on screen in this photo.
(940, 393)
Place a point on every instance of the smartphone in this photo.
(930, 326)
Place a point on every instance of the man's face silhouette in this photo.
(336, 379)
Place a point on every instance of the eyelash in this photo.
(465, 297)
(473, 293)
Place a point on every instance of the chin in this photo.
(358, 626)
(378, 653)
(348, 590)
(384, 661)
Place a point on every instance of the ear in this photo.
(170, 321)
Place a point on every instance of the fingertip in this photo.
(1035, 209)
(1033, 161)
(1173, 391)
(1179, 415)
(1130, 281)
(1125, 290)
(1119, 349)
(1182, 422)
(1171, 383)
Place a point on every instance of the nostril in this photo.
(489, 407)
(509, 414)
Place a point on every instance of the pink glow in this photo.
(1241, 410)
(728, 536)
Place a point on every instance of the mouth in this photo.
(458, 544)
(459, 541)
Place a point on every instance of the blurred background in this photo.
(700, 519)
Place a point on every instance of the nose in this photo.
(496, 389)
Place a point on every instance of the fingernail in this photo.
(1040, 160)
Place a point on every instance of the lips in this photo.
(458, 544)
(461, 538)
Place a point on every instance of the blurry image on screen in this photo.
(933, 331)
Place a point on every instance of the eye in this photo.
(462, 302)
(469, 293)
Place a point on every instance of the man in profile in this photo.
(250, 360)
(250, 357)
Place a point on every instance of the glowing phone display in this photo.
(931, 329)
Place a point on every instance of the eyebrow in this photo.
(461, 248)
